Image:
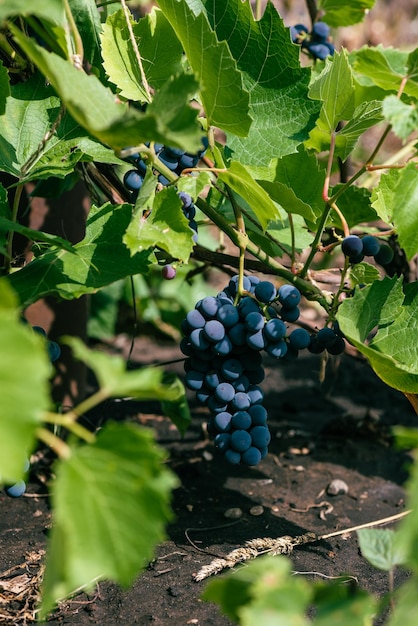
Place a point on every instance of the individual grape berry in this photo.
(299, 338)
(297, 30)
(212, 379)
(233, 284)
(241, 420)
(255, 394)
(18, 489)
(194, 380)
(289, 296)
(168, 272)
(275, 330)
(233, 457)
(277, 349)
(241, 384)
(214, 331)
(54, 351)
(133, 180)
(315, 347)
(228, 315)
(371, 245)
(326, 337)
(247, 305)
(265, 291)
(254, 321)
(240, 401)
(198, 339)
(195, 319)
(258, 414)
(222, 421)
(215, 406)
(319, 50)
(208, 307)
(260, 436)
(232, 369)
(39, 330)
(352, 246)
(251, 457)
(385, 255)
(224, 392)
(174, 153)
(320, 32)
(241, 440)
(256, 341)
(223, 442)
(290, 314)
(337, 347)
(222, 347)
(256, 376)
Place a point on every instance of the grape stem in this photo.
(68, 422)
(78, 57)
(242, 241)
(145, 84)
(56, 444)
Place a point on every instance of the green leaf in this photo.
(406, 605)
(364, 117)
(378, 547)
(194, 185)
(166, 227)
(363, 274)
(395, 199)
(405, 437)
(23, 361)
(99, 259)
(269, 62)
(223, 96)
(387, 68)
(344, 12)
(298, 177)
(263, 592)
(93, 536)
(99, 112)
(407, 539)
(7, 225)
(354, 204)
(4, 88)
(403, 117)
(334, 87)
(160, 61)
(87, 19)
(239, 180)
(338, 603)
(47, 9)
(392, 314)
(30, 111)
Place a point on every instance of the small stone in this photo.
(256, 510)
(337, 487)
(234, 513)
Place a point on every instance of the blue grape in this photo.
(265, 291)
(241, 384)
(222, 347)
(214, 331)
(223, 442)
(319, 50)
(299, 338)
(187, 161)
(255, 394)
(256, 376)
(337, 347)
(208, 307)
(290, 315)
(241, 420)
(203, 395)
(352, 246)
(233, 457)
(228, 315)
(251, 457)
(258, 414)
(241, 440)
(241, 401)
(224, 392)
(260, 436)
(256, 340)
(254, 321)
(195, 319)
(275, 329)
(289, 296)
(17, 490)
(198, 339)
(247, 305)
(320, 32)
(194, 380)
(54, 351)
(371, 245)
(215, 406)
(213, 379)
(385, 255)
(222, 421)
(133, 180)
(238, 334)
(277, 349)
(232, 369)
(326, 337)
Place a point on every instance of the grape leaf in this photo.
(4, 88)
(406, 607)
(366, 115)
(20, 413)
(99, 259)
(378, 546)
(388, 67)
(363, 274)
(48, 9)
(110, 121)
(94, 537)
(334, 87)
(392, 314)
(87, 19)
(403, 117)
(354, 204)
(269, 62)
(344, 12)
(223, 96)
(30, 111)
(7, 225)
(166, 227)
(239, 180)
(159, 60)
(395, 199)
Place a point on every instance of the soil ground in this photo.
(339, 429)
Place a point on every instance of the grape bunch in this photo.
(224, 337)
(316, 42)
(174, 159)
(356, 248)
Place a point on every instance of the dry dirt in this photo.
(336, 430)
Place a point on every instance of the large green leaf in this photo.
(366, 115)
(282, 114)
(4, 88)
(24, 375)
(160, 60)
(354, 204)
(111, 505)
(240, 180)
(344, 12)
(48, 9)
(392, 315)
(98, 260)
(334, 87)
(30, 112)
(223, 96)
(378, 546)
(106, 118)
(395, 199)
(388, 68)
(166, 227)
(402, 117)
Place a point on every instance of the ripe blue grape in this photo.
(256, 340)
(255, 394)
(17, 490)
(241, 401)
(241, 420)
(385, 255)
(208, 307)
(251, 457)
(241, 440)
(198, 339)
(275, 329)
(133, 180)
(224, 392)
(352, 246)
(254, 321)
(277, 349)
(299, 338)
(232, 369)
(326, 337)
(320, 31)
(258, 414)
(265, 291)
(289, 296)
(260, 436)
(223, 441)
(195, 319)
(222, 421)
(371, 245)
(54, 351)
(319, 50)
(228, 315)
(194, 380)
(290, 315)
(233, 457)
(214, 331)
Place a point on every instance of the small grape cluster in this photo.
(356, 248)
(223, 340)
(175, 159)
(317, 42)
